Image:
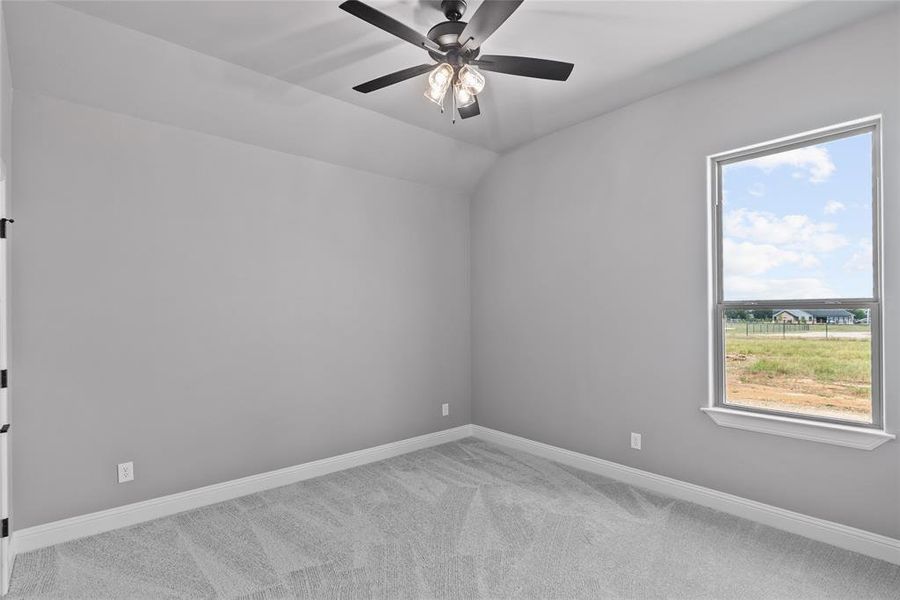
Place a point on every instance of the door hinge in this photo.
(3, 223)
(4, 378)
(4, 528)
(5, 428)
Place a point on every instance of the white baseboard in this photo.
(842, 536)
(57, 532)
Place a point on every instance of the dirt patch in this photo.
(824, 400)
(792, 392)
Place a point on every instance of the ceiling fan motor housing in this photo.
(446, 35)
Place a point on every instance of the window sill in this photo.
(861, 438)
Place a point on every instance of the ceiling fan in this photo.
(456, 46)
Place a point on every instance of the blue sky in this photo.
(798, 224)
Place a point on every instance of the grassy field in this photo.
(801, 371)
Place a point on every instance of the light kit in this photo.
(467, 82)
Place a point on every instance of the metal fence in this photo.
(749, 328)
(769, 327)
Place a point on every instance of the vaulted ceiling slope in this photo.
(67, 54)
(622, 50)
(279, 74)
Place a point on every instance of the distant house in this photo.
(792, 315)
(833, 316)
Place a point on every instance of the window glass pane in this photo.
(807, 361)
(798, 224)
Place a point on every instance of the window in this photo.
(797, 310)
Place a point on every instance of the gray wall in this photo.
(5, 96)
(211, 309)
(608, 219)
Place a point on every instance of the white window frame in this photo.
(809, 427)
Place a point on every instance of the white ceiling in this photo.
(622, 51)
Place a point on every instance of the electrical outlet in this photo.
(636, 441)
(445, 409)
(126, 472)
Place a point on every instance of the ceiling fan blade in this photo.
(469, 111)
(526, 67)
(389, 24)
(392, 78)
(489, 16)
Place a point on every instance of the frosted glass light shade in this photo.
(441, 76)
(472, 79)
(436, 95)
(464, 97)
(438, 83)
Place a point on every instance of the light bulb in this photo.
(464, 97)
(436, 95)
(441, 76)
(438, 83)
(471, 79)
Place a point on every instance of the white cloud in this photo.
(755, 288)
(757, 189)
(833, 206)
(749, 259)
(811, 162)
(795, 232)
(810, 261)
(861, 260)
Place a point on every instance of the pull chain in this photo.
(453, 103)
